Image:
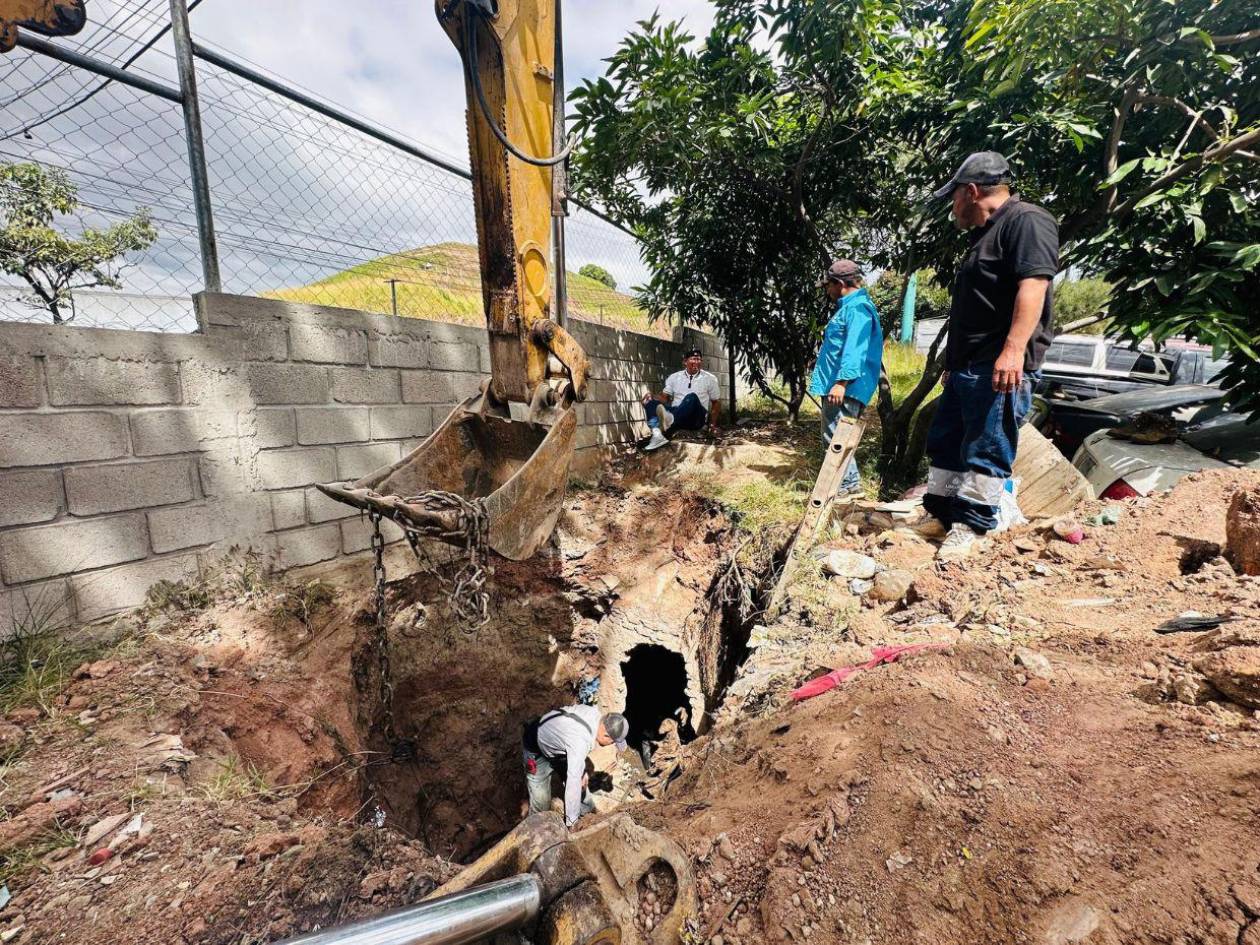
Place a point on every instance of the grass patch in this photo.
(905, 367)
(233, 781)
(20, 860)
(38, 658)
(303, 602)
(813, 593)
(443, 282)
(755, 506)
(182, 596)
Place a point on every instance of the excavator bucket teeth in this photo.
(518, 471)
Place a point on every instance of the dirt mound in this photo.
(960, 796)
(1242, 530)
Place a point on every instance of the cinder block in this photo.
(180, 430)
(288, 469)
(215, 383)
(287, 383)
(356, 534)
(320, 508)
(29, 554)
(102, 593)
(308, 545)
(269, 427)
(318, 425)
(235, 521)
(288, 509)
(395, 423)
(47, 439)
(356, 461)
(19, 382)
(326, 345)
(46, 606)
(483, 359)
(230, 471)
(459, 356)
(29, 496)
(81, 381)
(429, 387)
(398, 350)
(92, 490)
(365, 386)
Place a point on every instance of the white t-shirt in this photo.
(703, 384)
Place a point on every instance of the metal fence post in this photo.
(196, 145)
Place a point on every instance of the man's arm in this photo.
(1030, 298)
(575, 774)
(857, 341)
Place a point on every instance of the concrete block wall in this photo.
(132, 457)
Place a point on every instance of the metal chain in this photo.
(466, 590)
(400, 750)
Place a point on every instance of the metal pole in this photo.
(730, 366)
(458, 919)
(196, 145)
(559, 179)
(393, 294)
(88, 64)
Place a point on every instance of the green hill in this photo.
(443, 283)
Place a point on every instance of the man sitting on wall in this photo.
(689, 400)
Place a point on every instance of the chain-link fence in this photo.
(306, 207)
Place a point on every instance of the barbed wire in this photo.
(305, 207)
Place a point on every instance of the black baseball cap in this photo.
(694, 353)
(982, 167)
(840, 270)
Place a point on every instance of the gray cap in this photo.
(983, 167)
(617, 727)
(841, 270)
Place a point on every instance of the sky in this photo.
(389, 60)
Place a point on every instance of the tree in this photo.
(743, 162)
(599, 274)
(53, 263)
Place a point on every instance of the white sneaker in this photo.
(666, 418)
(658, 440)
(960, 542)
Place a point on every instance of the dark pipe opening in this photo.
(656, 690)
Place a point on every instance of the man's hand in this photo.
(586, 781)
(836, 395)
(944, 378)
(1008, 370)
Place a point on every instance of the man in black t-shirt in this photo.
(999, 329)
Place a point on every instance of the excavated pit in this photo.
(624, 597)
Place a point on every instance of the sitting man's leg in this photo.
(655, 411)
(688, 414)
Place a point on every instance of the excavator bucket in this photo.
(514, 469)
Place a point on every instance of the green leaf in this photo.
(1200, 229)
(1149, 200)
(1238, 202)
(1120, 173)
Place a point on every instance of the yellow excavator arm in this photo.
(488, 473)
(48, 17)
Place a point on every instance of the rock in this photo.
(1192, 689)
(898, 860)
(97, 670)
(1242, 530)
(1149, 670)
(100, 856)
(103, 828)
(11, 736)
(725, 848)
(1235, 672)
(891, 585)
(1035, 665)
(717, 940)
(271, 844)
(25, 716)
(1071, 922)
(849, 564)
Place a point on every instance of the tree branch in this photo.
(1233, 39)
(1218, 153)
(1082, 323)
(1111, 153)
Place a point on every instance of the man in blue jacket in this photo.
(846, 371)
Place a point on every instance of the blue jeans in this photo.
(852, 479)
(538, 783)
(688, 413)
(971, 446)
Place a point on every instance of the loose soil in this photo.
(1111, 795)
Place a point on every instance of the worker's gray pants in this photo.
(538, 784)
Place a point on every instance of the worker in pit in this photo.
(562, 739)
(846, 371)
(690, 400)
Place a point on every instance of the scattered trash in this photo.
(1089, 602)
(1108, 516)
(849, 564)
(166, 751)
(377, 818)
(100, 856)
(879, 656)
(1190, 622)
(5, 895)
(103, 828)
(588, 690)
(1069, 530)
(10, 934)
